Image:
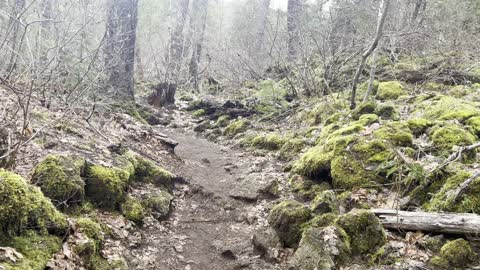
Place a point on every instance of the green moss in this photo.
(364, 108)
(24, 206)
(106, 186)
(223, 121)
(395, 133)
(270, 141)
(59, 179)
(450, 135)
(365, 231)
(460, 91)
(363, 88)
(236, 127)
(336, 117)
(159, 205)
(449, 108)
(474, 123)
(199, 113)
(99, 263)
(469, 202)
(91, 229)
(348, 172)
(287, 218)
(435, 87)
(133, 210)
(307, 189)
(320, 221)
(291, 148)
(325, 202)
(368, 119)
(390, 90)
(419, 125)
(456, 254)
(314, 163)
(387, 112)
(36, 249)
(147, 171)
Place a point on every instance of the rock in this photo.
(159, 204)
(456, 254)
(390, 90)
(266, 243)
(8, 254)
(365, 231)
(59, 178)
(133, 210)
(287, 218)
(202, 127)
(325, 202)
(270, 190)
(106, 186)
(322, 249)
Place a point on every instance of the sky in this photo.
(279, 4)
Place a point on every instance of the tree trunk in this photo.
(198, 25)
(163, 95)
(262, 25)
(14, 25)
(429, 222)
(382, 14)
(175, 51)
(120, 47)
(293, 27)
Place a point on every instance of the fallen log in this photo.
(450, 223)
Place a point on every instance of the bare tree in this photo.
(382, 14)
(14, 27)
(120, 47)
(198, 26)
(293, 27)
(262, 24)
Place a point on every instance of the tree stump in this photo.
(163, 95)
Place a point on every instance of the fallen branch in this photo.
(456, 156)
(455, 194)
(451, 223)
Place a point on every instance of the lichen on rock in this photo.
(133, 210)
(59, 178)
(286, 218)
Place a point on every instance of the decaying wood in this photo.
(456, 156)
(450, 223)
(455, 194)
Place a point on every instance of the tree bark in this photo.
(14, 25)
(199, 25)
(450, 223)
(175, 51)
(262, 25)
(120, 47)
(294, 14)
(382, 14)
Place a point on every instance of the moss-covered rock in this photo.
(387, 112)
(306, 188)
(456, 254)
(315, 163)
(446, 137)
(199, 113)
(469, 202)
(364, 229)
(236, 127)
(106, 186)
(325, 202)
(460, 91)
(395, 133)
(363, 88)
(474, 123)
(90, 228)
(320, 221)
(286, 218)
(159, 204)
(270, 141)
(322, 249)
(348, 172)
(291, 148)
(419, 125)
(146, 171)
(133, 210)
(222, 121)
(36, 249)
(59, 178)
(448, 108)
(364, 108)
(24, 206)
(390, 90)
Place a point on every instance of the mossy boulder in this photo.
(364, 108)
(106, 186)
(270, 141)
(236, 127)
(222, 121)
(24, 206)
(395, 133)
(286, 218)
(159, 204)
(315, 163)
(322, 249)
(59, 178)
(446, 137)
(460, 91)
(90, 228)
(390, 90)
(325, 202)
(456, 254)
(307, 189)
(419, 125)
(469, 202)
(363, 88)
(321, 221)
(474, 123)
(133, 210)
(387, 112)
(448, 108)
(37, 250)
(291, 148)
(146, 171)
(365, 231)
(349, 172)
(199, 113)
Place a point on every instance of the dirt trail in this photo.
(208, 229)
